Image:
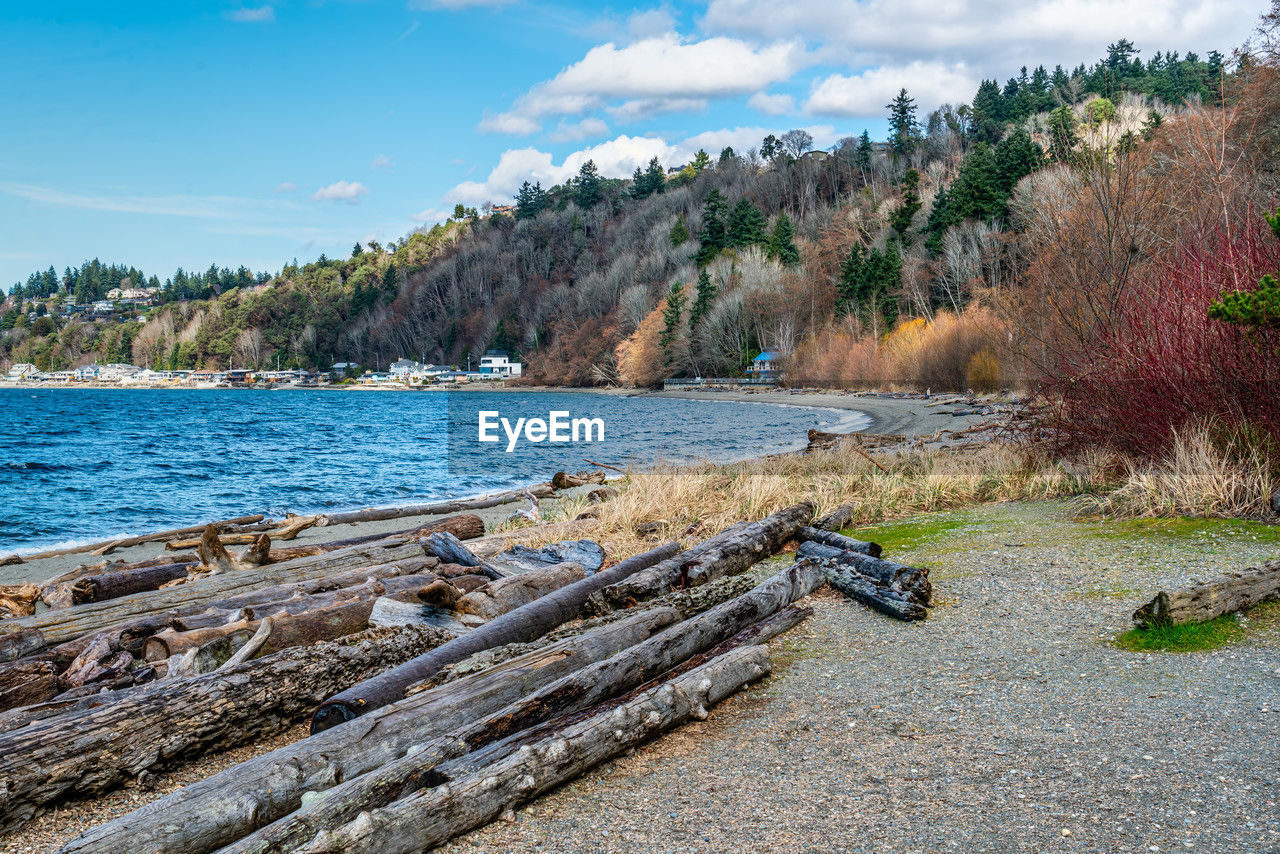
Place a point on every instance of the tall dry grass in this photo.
(1204, 472)
(698, 500)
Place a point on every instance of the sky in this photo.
(181, 133)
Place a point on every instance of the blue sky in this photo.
(166, 134)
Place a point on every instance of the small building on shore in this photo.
(497, 363)
(22, 371)
(768, 365)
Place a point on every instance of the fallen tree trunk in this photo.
(523, 624)
(507, 594)
(108, 546)
(564, 480)
(58, 589)
(22, 642)
(92, 750)
(911, 581)
(413, 771)
(375, 514)
(211, 813)
(242, 539)
(466, 526)
(1225, 594)
(862, 589)
(837, 520)
(325, 623)
(66, 624)
(28, 681)
(113, 585)
(18, 600)
(727, 553)
(474, 789)
(838, 541)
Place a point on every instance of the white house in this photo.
(116, 372)
(86, 373)
(404, 369)
(496, 362)
(22, 371)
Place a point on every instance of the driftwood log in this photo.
(1225, 594)
(817, 534)
(416, 769)
(465, 526)
(862, 589)
(56, 591)
(564, 480)
(727, 553)
(113, 585)
(837, 520)
(911, 581)
(507, 594)
(66, 624)
(523, 624)
(211, 813)
(375, 514)
(27, 681)
(107, 546)
(18, 600)
(87, 751)
(476, 788)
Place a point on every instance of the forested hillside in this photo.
(874, 262)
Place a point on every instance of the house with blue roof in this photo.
(768, 365)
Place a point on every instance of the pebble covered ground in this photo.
(1008, 722)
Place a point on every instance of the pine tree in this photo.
(701, 161)
(588, 184)
(679, 232)
(713, 235)
(862, 156)
(1062, 133)
(671, 315)
(782, 245)
(652, 180)
(531, 199)
(900, 219)
(770, 148)
(706, 292)
(746, 225)
(1017, 156)
(904, 130)
(976, 190)
(988, 113)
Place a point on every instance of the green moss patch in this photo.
(1190, 637)
(910, 534)
(1188, 529)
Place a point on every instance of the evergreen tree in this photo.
(679, 232)
(357, 251)
(904, 130)
(727, 154)
(782, 244)
(713, 235)
(988, 113)
(900, 219)
(976, 191)
(588, 184)
(650, 181)
(862, 156)
(941, 217)
(701, 161)
(1017, 156)
(531, 199)
(390, 282)
(706, 292)
(671, 315)
(1062, 133)
(746, 225)
(770, 148)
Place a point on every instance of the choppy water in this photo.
(88, 464)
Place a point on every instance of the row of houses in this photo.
(494, 365)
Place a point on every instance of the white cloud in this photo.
(200, 207)
(643, 108)
(573, 131)
(431, 215)
(657, 73)
(773, 105)
(340, 191)
(993, 36)
(867, 93)
(615, 158)
(382, 161)
(253, 15)
(650, 23)
(286, 187)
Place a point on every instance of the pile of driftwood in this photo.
(447, 677)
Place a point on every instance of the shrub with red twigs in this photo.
(1167, 363)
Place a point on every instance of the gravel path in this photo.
(1007, 722)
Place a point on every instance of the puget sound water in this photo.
(89, 464)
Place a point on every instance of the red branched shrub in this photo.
(1166, 363)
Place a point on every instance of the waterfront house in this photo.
(768, 365)
(496, 363)
(62, 376)
(23, 371)
(405, 369)
(115, 372)
(86, 373)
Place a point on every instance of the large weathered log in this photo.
(108, 546)
(837, 520)
(564, 480)
(465, 527)
(683, 646)
(1225, 594)
(375, 514)
(92, 750)
(838, 541)
(211, 813)
(910, 580)
(862, 589)
(586, 553)
(450, 549)
(27, 681)
(63, 625)
(22, 642)
(727, 553)
(18, 600)
(113, 585)
(56, 591)
(522, 624)
(476, 788)
(242, 539)
(507, 594)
